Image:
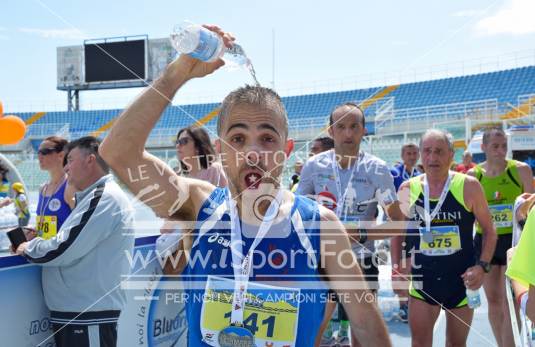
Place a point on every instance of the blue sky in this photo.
(316, 42)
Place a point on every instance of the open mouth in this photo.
(252, 180)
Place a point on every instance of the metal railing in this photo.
(418, 119)
(385, 113)
(23, 145)
(47, 129)
(162, 137)
(308, 129)
(529, 101)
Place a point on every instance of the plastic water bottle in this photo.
(203, 44)
(474, 300)
(197, 41)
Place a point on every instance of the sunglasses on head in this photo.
(183, 141)
(47, 151)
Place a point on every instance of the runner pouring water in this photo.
(254, 217)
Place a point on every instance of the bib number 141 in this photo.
(251, 323)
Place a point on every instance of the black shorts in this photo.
(505, 242)
(449, 291)
(103, 335)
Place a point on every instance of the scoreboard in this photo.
(124, 62)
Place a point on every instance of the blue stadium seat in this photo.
(505, 86)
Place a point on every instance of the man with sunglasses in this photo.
(262, 218)
(84, 263)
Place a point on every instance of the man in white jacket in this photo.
(84, 262)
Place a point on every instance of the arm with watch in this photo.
(475, 200)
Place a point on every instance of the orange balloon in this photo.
(1, 109)
(12, 130)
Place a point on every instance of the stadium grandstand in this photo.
(394, 114)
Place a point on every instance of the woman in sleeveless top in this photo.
(56, 197)
(197, 159)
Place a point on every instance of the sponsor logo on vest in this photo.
(441, 215)
(445, 215)
(219, 239)
(54, 205)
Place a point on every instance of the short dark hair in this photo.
(89, 144)
(408, 145)
(326, 142)
(201, 141)
(491, 131)
(252, 95)
(350, 104)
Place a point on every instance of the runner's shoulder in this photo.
(207, 198)
(405, 185)
(521, 165)
(396, 169)
(330, 223)
(403, 193)
(327, 215)
(471, 185)
(472, 172)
